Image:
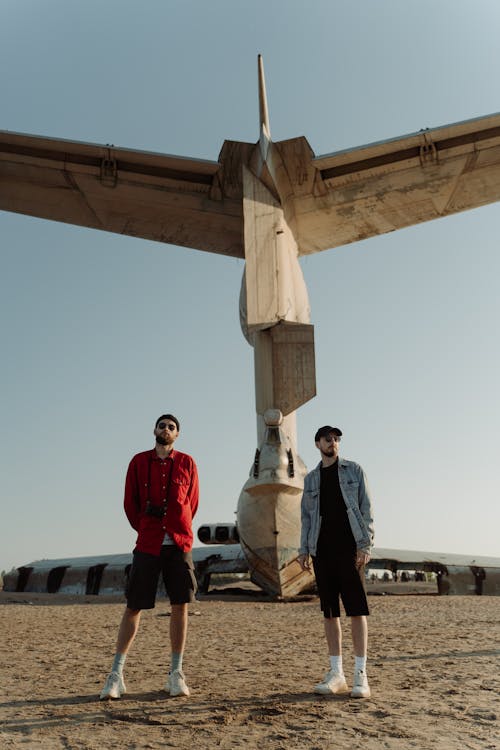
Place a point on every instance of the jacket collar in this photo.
(156, 457)
(342, 462)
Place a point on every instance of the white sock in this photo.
(336, 664)
(119, 663)
(176, 661)
(360, 663)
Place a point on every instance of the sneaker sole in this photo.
(109, 697)
(167, 690)
(329, 691)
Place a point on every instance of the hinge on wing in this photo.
(319, 187)
(428, 150)
(109, 171)
(215, 191)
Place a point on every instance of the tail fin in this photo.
(263, 110)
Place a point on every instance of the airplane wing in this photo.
(402, 559)
(106, 574)
(359, 193)
(153, 196)
(456, 574)
(228, 558)
(328, 201)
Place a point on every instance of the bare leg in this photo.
(178, 627)
(128, 630)
(333, 633)
(334, 681)
(359, 630)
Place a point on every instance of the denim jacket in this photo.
(357, 499)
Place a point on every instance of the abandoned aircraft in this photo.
(268, 203)
(107, 575)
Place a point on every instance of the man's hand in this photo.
(304, 562)
(362, 558)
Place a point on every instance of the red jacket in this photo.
(178, 474)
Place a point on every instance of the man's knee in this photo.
(131, 614)
(359, 620)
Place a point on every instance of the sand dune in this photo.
(434, 670)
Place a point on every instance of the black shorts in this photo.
(177, 570)
(342, 578)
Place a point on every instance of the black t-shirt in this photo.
(336, 539)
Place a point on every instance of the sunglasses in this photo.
(168, 425)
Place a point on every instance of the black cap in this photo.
(326, 430)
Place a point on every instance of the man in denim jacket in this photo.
(337, 532)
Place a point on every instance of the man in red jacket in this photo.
(161, 498)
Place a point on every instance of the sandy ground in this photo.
(434, 670)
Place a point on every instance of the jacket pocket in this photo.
(352, 488)
(358, 526)
(311, 499)
(180, 487)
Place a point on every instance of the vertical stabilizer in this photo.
(263, 110)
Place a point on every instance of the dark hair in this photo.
(168, 416)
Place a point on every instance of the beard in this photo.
(330, 453)
(161, 440)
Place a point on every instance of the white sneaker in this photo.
(114, 687)
(334, 682)
(176, 684)
(360, 688)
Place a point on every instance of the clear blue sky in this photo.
(101, 333)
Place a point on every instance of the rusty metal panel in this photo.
(457, 580)
(491, 583)
(37, 581)
(74, 581)
(294, 370)
(285, 370)
(114, 579)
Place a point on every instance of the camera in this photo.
(156, 511)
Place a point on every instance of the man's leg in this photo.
(176, 683)
(328, 589)
(140, 593)
(178, 627)
(334, 681)
(333, 632)
(180, 584)
(114, 686)
(128, 630)
(359, 630)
